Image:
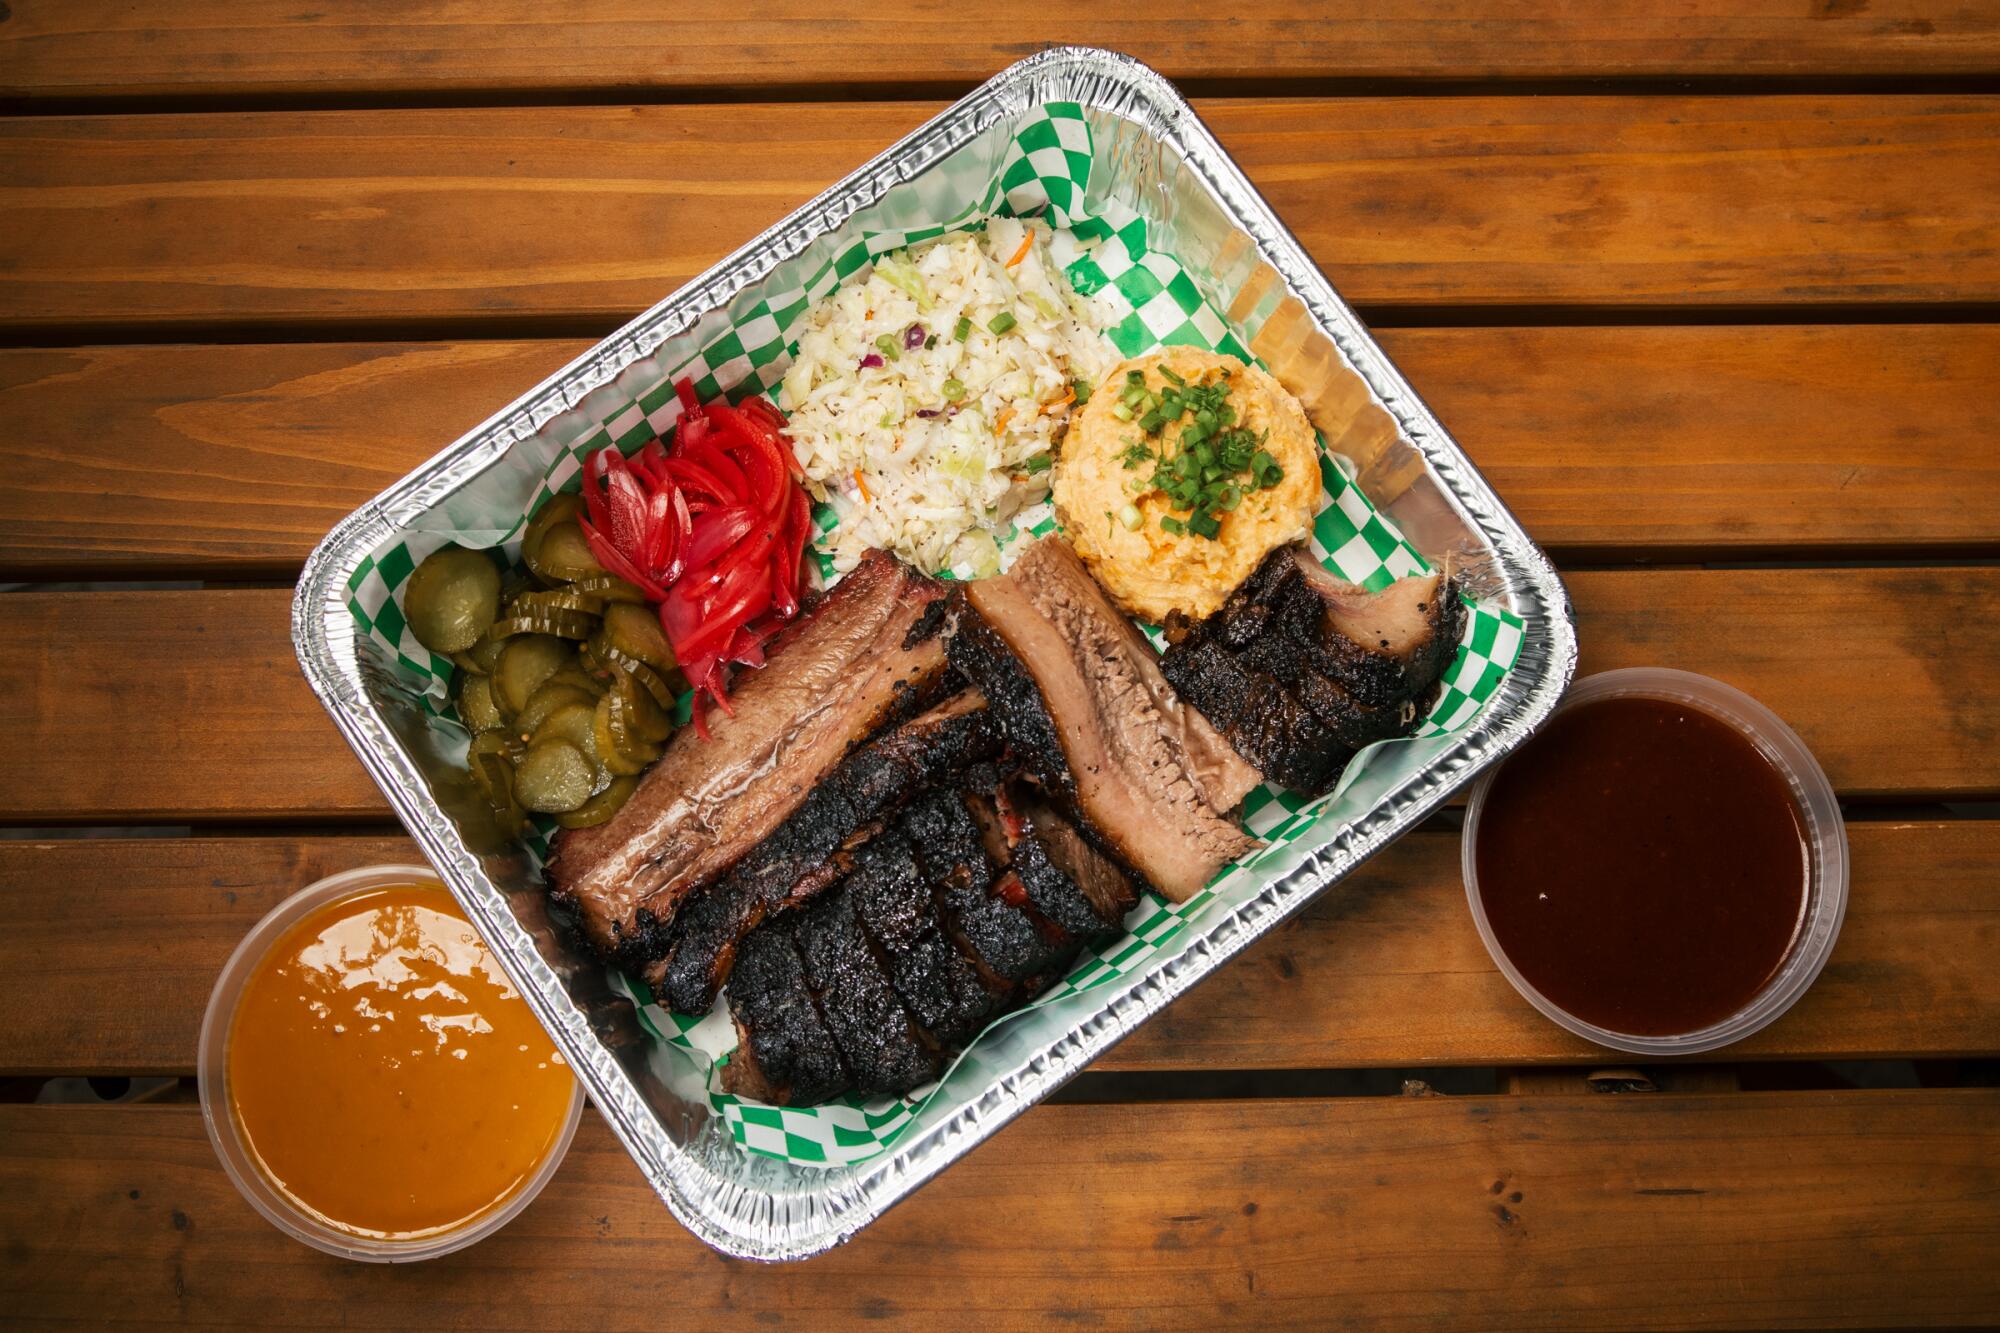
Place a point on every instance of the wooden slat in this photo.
(1608, 442)
(1744, 1210)
(593, 213)
(176, 705)
(112, 946)
(105, 48)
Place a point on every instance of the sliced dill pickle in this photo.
(553, 777)
(601, 658)
(664, 687)
(621, 753)
(583, 680)
(601, 806)
(632, 742)
(485, 655)
(451, 598)
(499, 781)
(633, 709)
(563, 556)
(528, 661)
(635, 631)
(559, 510)
(562, 624)
(469, 664)
(475, 704)
(576, 724)
(609, 587)
(548, 698)
(494, 744)
(490, 760)
(556, 599)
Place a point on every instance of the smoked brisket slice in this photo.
(817, 843)
(879, 1043)
(939, 987)
(1014, 948)
(867, 656)
(1268, 723)
(1066, 879)
(784, 1053)
(1298, 670)
(1084, 707)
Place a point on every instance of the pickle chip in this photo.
(622, 753)
(601, 806)
(609, 587)
(529, 660)
(633, 710)
(475, 704)
(550, 697)
(563, 556)
(575, 724)
(635, 632)
(452, 598)
(553, 777)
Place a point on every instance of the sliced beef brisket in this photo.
(939, 987)
(817, 842)
(866, 657)
(784, 1053)
(882, 1047)
(1084, 706)
(1299, 670)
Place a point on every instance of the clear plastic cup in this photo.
(1819, 811)
(226, 1135)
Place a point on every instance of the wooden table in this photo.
(1710, 296)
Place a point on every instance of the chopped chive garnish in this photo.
(1001, 322)
(953, 390)
(964, 328)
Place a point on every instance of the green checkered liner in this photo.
(1045, 170)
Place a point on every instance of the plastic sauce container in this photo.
(366, 1002)
(1737, 910)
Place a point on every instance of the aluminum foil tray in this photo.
(1166, 164)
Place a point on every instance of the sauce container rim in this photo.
(1819, 812)
(226, 1138)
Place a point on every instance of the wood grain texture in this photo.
(1609, 443)
(112, 946)
(1648, 1211)
(189, 705)
(105, 48)
(590, 214)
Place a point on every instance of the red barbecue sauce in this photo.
(1643, 865)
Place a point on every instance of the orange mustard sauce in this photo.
(386, 1075)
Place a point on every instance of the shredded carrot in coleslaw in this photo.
(1027, 243)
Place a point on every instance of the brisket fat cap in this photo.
(818, 842)
(1385, 647)
(1083, 703)
(866, 656)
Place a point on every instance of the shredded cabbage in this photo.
(933, 452)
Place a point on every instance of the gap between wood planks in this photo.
(468, 99)
(502, 327)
